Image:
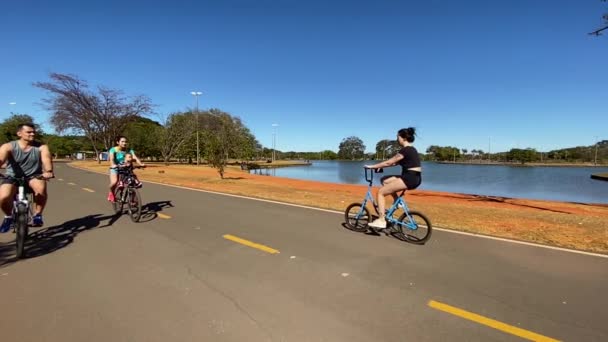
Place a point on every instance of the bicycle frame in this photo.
(126, 192)
(21, 196)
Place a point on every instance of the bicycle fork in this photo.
(21, 200)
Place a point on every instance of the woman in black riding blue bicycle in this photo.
(410, 177)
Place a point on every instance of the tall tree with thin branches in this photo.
(100, 115)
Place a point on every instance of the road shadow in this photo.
(150, 211)
(48, 240)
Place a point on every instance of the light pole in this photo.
(595, 161)
(489, 149)
(274, 137)
(196, 94)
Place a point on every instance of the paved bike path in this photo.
(175, 277)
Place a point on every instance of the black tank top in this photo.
(410, 158)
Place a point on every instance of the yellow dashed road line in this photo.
(528, 335)
(251, 244)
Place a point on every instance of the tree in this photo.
(351, 148)
(8, 128)
(387, 148)
(101, 116)
(225, 136)
(64, 145)
(604, 27)
(171, 136)
(328, 155)
(443, 153)
(143, 135)
(522, 155)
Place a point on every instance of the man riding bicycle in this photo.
(26, 158)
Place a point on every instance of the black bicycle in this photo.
(22, 210)
(126, 192)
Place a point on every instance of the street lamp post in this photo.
(274, 137)
(595, 160)
(196, 94)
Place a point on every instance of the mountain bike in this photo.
(22, 210)
(126, 192)
(410, 226)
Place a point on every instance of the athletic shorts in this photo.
(411, 179)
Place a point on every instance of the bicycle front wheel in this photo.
(21, 229)
(415, 228)
(134, 204)
(357, 217)
(117, 204)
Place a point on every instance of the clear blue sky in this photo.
(522, 73)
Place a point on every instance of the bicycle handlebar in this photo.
(118, 167)
(369, 175)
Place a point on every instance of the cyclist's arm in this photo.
(137, 159)
(5, 152)
(391, 162)
(47, 161)
(112, 158)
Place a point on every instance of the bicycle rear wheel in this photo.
(415, 229)
(134, 204)
(21, 229)
(117, 204)
(357, 217)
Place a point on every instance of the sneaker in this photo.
(378, 223)
(6, 225)
(111, 197)
(37, 221)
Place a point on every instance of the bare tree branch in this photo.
(100, 116)
(598, 32)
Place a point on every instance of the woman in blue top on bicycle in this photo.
(117, 156)
(411, 173)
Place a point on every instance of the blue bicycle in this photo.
(410, 226)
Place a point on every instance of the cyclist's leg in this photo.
(113, 182)
(387, 180)
(136, 180)
(38, 187)
(387, 189)
(7, 193)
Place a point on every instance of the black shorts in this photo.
(13, 181)
(411, 179)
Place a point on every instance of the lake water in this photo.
(570, 184)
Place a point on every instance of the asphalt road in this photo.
(92, 276)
